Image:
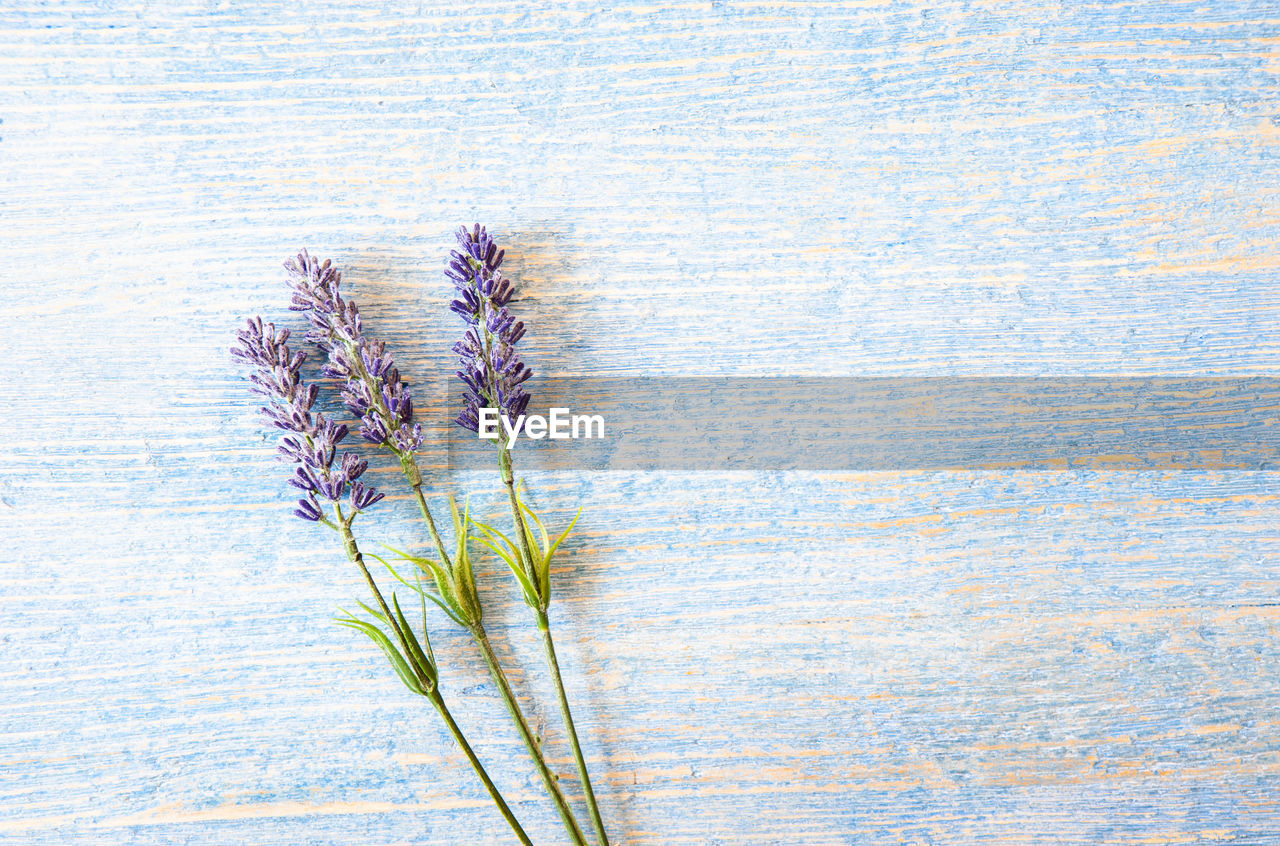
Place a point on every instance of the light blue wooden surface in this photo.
(683, 188)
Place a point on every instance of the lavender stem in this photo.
(548, 647)
(549, 779)
(494, 376)
(437, 701)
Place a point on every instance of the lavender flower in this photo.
(313, 442)
(374, 391)
(490, 368)
(494, 377)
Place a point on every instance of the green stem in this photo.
(549, 779)
(414, 476)
(531, 570)
(353, 552)
(433, 693)
(437, 701)
(549, 649)
(544, 626)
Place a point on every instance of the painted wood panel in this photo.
(685, 188)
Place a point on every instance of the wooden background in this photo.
(683, 188)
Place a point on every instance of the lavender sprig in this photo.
(322, 472)
(494, 377)
(374, 391)
(312, 444)
(490, 367)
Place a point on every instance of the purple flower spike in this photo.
(374, 391)
(490, 368)
(363, 496)
(313, 440)
(308, 509)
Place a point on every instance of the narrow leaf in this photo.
(453, 615)
(457, 520)
(526, 586)
(422, 597)
(411, 642)
(376, 614)
(563, 535)
(415, 585)
(541, 528)
(393, 655)
(404, 556)
(511, 562)
(495, 535)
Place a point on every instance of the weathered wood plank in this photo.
(739, 188)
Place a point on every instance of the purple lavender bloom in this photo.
(363, 496)
(313, 440)
(490, 368)
(374, 391)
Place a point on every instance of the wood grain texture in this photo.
(684, 188)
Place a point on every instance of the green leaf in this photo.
(393, 655)
(523, 529)
(404, 556)
(460, 568)
(506, 556)
(563, 535)
(543, 564)
(416, 585)
(512, 560)
(453, 615)
(541, 528)
(526, 587)
(426, 667)
(449, 593)
(548, 547)
(457, 520)
(422, 597)
(377, 558)
(378, 615)
(434, 569)
(494, 535)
